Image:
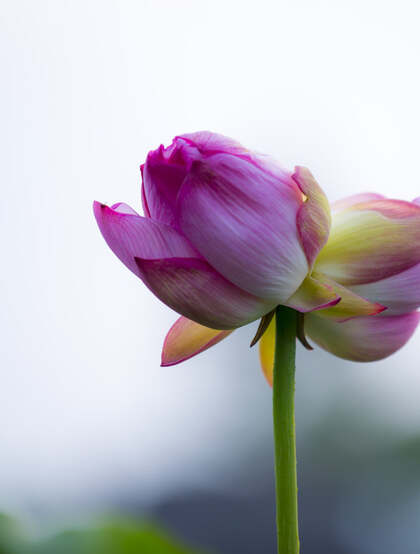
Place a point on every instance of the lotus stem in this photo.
(284, 431)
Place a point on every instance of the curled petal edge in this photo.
(314, 217)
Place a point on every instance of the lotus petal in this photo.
(313, 218)
(363, 339)
(186, 339)
(371, 241)
(130, 235)
(223, 208)
(195, 290)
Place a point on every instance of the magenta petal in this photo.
(165, 169)
(130, 235)
(194, 289)
(363, 339)
(208, 143)
(186, 339)
(123, 208)
(162, 174)
(146, 210)
(242, 219)
(417, 201)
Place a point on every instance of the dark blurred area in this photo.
(359, 494)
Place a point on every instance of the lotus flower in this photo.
(228, 235)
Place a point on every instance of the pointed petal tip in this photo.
(304, 342)
(99, 211)
(186, 339)
(262, 327)
(376, 309)
(300, 332)
(351, 305)
(330, 304)
(334, 302)
(169, 364)
(98, 205)
(173, 335)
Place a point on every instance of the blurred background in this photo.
(96, 437)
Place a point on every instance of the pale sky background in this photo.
(87, 89)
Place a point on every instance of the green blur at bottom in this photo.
(117, 536)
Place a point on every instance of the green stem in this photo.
(284, 432)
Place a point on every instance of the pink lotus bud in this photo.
(228, 235)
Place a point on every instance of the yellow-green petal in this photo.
(370, 241)
(186, 339)
(350, 305)
(267, 350)
(313, 294)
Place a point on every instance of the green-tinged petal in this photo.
(371, 241)
(363, 339)
(186, 339)
(314, 217)
(351, 304)
(313, 294)
(267, 350)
